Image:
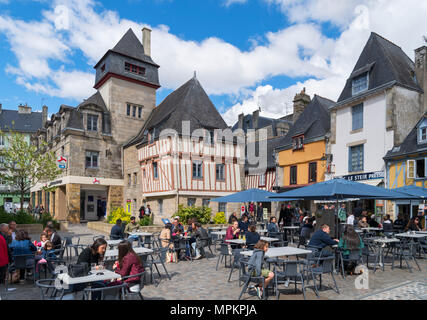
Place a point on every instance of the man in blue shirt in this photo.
(116, 231)
(272, 226)
(321, 239)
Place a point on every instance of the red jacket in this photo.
(229, 234)
(4, 256)
(130, 266)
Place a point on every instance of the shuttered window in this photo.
(355, 158)
(357, 117)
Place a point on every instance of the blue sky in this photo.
(247, 53)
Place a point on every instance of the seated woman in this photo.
(22, 246)
(413, 225)
(363, 223)
(128, 264)
(307, 228)
(387, 224)
(233, 231)
(252, 237)
(94, 253)
(372, 222)
(165, 241)
(257, 261)
(350, 241)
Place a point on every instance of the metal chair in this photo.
(371, 250)
(157, 257)
(280, 237)
(236, 262)
(135, 289)
(99, 236)
(47, 285)
(407, 250)
(354, 256)
(246, 276)
(325, 266)
(224, 252)
(68, 245)
(116, 292)
(293, 270)
(24, 261)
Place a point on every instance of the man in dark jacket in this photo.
(244, 224)
(54, 237)
(116, 231)
(282, 214)
(272, 226)
(321, 239)
(260, 212)
(201, 236)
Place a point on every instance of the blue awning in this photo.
(250, 195)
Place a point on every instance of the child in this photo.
(47, 253)
(256, 261)
(43, 240)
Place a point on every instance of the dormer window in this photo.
(134, 69)
(298, 142)
(151, 135)
(92, 122)
(422, 135)
(360, 83)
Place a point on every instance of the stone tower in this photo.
(127, 79)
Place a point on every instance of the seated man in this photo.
(54, 237)
(272, 226)
(132, 227)
(321, 239)
(177, 225)
(387, 224)
(116, 231)
(244, 224)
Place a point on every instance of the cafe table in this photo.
(138, 250)
(141, 234)
(290, 228)
(113, 243)
(93, 276)
(385, 242)
(414, 235)
(275, 252)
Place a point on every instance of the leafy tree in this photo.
(24, 165)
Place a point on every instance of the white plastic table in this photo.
(113, 242)
(138, 250)
(262, 231)
(141, 234)
(219, 233)
(411, 235)
(372, 229)
(98, 275)
(269, 239)
(421, 232)
(279, 252)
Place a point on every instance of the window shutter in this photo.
(410, 169)
(350, 169)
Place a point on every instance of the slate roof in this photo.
(272, 144)
(130, 46)
(314, 122)
(409, 145)
(387, 65)
(95, 99)
(20, 122)
(262, 123)
(187, 103)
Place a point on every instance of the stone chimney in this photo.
(240, 123)
(44, 115)
(255, 118)
(301, 100)
(146, 41)
(421, 73)
(24, 109)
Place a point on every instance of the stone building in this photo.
(88, 139)
(179, 157)
(26, 122)
(379, 105)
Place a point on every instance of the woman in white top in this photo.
(350, 219)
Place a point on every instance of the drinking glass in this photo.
(93, 266)
(101, 265)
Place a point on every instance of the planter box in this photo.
(30, 228)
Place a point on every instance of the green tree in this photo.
(24, 165)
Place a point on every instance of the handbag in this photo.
(78, 270)
(171, 257)
(15, 275)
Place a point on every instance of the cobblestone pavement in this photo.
(198, 280)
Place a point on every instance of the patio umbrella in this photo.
(413, 191)
(250, 195)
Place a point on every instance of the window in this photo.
(134, 69)
(128, 110)
(92, 122)
(155, 170)
(139, 112)
(92, 159)
(134, 111)
(298, 142)
(416, 169)
(420, 168)
(191, 202)
(360, 83)
(135, 178)
(151, 135)
(222, 207)
(355, 160)
(357, 117)
(160, 203)
(312, 175)
(129, 180)
(262, 180)
(293, 175)
(220, 168)
(205, 202)
(422, 137)
(197, 170)
(211, 137)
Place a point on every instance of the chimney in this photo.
(421, 72)
(44, 115)
(24, 109)
(146, 41)
(240, 123)
(301, 100)
(255, 118)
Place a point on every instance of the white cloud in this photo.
(228, 3)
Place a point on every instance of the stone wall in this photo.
(73, 202)
(133, 191)
(115, 198)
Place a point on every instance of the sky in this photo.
(248, 54)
